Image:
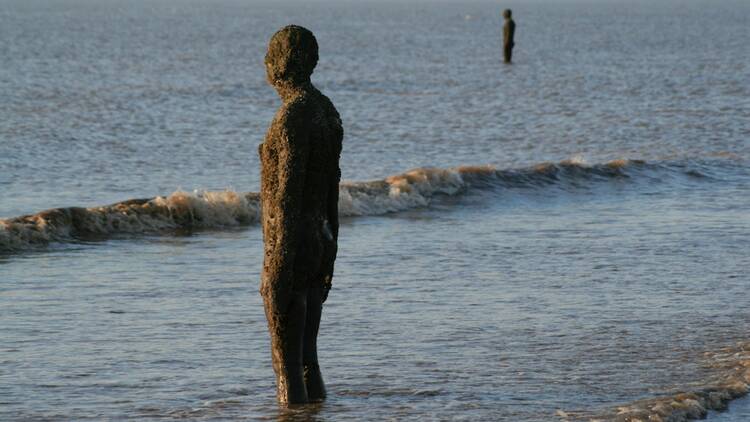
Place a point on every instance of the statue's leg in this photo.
(508, 53)
(287, 332)
(316, 390)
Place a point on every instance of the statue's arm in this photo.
(333, 203)
(333, 218)
(291, 168)
(335, 180)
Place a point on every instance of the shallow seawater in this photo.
(499, 304)
(524, 293)
(739, 411)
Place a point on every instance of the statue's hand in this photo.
(329, 259)
(327, 284)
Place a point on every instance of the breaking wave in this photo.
(731, 379)
(201, 209)
(178, 210)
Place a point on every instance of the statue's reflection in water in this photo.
(300, 413)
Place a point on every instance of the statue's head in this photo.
(291, 57)
(507, 13)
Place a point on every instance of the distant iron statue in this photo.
(509, 31)
(299, 195)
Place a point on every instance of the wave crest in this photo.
(401, 192)
(202, 209)
(178, 210)
(731, 367)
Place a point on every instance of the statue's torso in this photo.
(509, 30)
(313, 119)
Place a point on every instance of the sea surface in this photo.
(563, 238)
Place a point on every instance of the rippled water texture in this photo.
(595, 262)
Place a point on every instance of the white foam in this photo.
(730, 380)
(12, 237)
(576, 160)
(412, 189)
(205, 209)
(210, 209)
(180, 209)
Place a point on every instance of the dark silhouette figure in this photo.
(509, 31)
(299, 196)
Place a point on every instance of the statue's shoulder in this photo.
(293, 119)
(299, 106)
(326, 105)
(294, 114)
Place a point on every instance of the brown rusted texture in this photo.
(509, 32)
(299, 192)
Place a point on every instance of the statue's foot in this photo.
(316, 389)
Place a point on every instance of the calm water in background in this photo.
(508, 301)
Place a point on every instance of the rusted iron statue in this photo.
(509, 32)
(299, 196)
